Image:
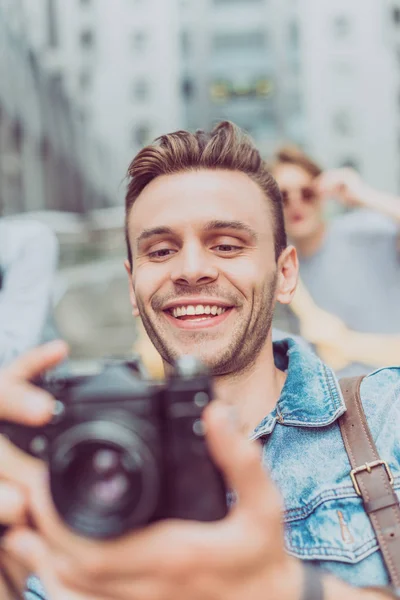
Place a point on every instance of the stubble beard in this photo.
(243, 347)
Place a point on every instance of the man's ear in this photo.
(132, 295)
(288, 271)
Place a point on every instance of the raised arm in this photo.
(347, 186)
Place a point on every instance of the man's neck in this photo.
(254, 392)
(308, 246)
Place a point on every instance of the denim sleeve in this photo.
(28, 264)
(34, 590)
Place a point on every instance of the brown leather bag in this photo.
(371, 477)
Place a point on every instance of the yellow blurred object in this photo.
(336, 344)
(149, 355)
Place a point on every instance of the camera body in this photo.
(123, 452)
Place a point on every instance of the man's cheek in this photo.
(243, 275)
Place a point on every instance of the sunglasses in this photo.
(307, 195)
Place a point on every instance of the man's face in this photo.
(301, 206)
(204, 271)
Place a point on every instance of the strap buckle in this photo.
(368, 467)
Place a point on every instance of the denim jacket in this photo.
(303, 450)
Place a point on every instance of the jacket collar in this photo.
(311, 395)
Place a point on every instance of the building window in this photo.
(185, 43)
(140, 90)
(341, 27)
(396, 15)
(241, 41)
(140, 135)
(52, 24)
(341, 122)
(85, 80)
(350, 163)
(294, 103)
(87, 39)
(225, 90)
(187, 88)
(139, 41)
(294, 35)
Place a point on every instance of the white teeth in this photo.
(199, 309)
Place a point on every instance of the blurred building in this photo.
(241, 61)
(350, 85)
(89, 82)
(121, 66)
(43, 145)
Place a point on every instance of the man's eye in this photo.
(227, 248)
(162, 253)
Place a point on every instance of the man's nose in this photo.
(194, 266)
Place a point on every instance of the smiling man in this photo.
(207, 261)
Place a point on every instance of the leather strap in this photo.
(373, 481)
(313, 588)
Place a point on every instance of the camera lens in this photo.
(104, 479)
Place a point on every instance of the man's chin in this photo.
(210, 358)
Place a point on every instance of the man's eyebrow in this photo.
(148, 233)
(236, 225)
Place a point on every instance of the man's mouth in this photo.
(296, 218)
(199, 311)
(197, 315)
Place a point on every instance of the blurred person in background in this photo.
(28, 263)
(348, 299)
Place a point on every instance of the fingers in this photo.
(238, 459)
(35, 556)
(27, 548)
(12, 504)
(12, 578)
(19, 468)
(21, 402)
(38, 360)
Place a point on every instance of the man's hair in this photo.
(293, 155)
(226, 147)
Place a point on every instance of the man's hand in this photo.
(21, 402)
(344, 184)
(239, 557)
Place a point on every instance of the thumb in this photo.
(238, 458)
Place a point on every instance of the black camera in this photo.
(123, 452)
